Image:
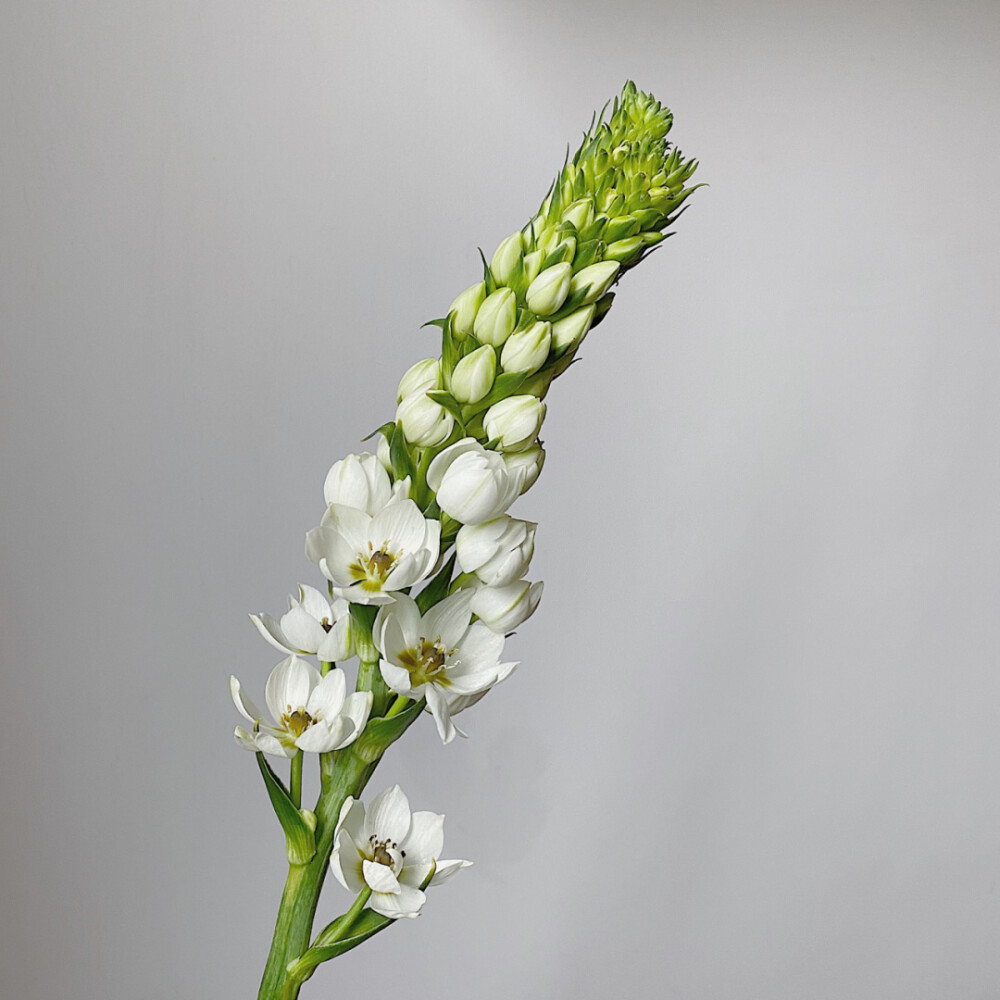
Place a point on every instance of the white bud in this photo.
(358, 481)
(532, 264)
(526, 350)
(504, 608)
(549, 290)
(382, 453)
(421, 377)
(425, 423)
(465, 308)
(472, 484)
(496, 318)
(595, 279)
(498, 551)
(530, 461)
(571, 329)
(514, 421)
(474, 374)
(580, 213)
(506, 258)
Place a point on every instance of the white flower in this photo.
(504, 608)
(310, 712)
(530, 461)
(472, 484)
(311, 625)
(438, 656)
(425, 423)
(573, 328)
(527, 350)
(549, 290)
(514, 421)
(507, 257)
(496, 318)
(367, 557)
(391, 851)
(421, 377)
(463, 310)
(361, 481)
(497, 551)
(474, 374)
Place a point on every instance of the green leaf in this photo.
(437, 589)
(490, 281)
(399, 455)
(505, 385)
(300, 841)
(385, 430)
(381, 733)
(444, 398)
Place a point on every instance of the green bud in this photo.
(580, 213)
(562, 252)
(421, 377)
(527, 350)
(532, 265)
(465, 308)
(549, 290)
(496, 318)
(622, 250)
(595, 280)
(620, 228)
(571, 329)
(474, 374)
(506, 258)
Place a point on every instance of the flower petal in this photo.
(380, 877)
(289, 686)
(449, 618)
(437, 703)
(327, 698)
(405, 903)
(244, 705)
(446, 869)
(425, 841)
(388, 815)
(271, 631)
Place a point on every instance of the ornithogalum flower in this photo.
(504, 608)
(391, 851)
(438, 656)
(369, 557)
(312, 624)
(310, 712)
(361, 481)
(472, 484)
(498, 551)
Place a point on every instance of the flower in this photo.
(508, 255)
(463, 310)
(310, 712)
(391, 851)
(473, 484)
(549, 290)
(437, 656)
(496, 318)
(367, 557)
(530, 461)
(527, 350)
(425, 423)
(514, 421)
(361, 481)
(594, 280)
(504, 608)
(474, 374)
(421, 377)
(497, 551)
(311, 625)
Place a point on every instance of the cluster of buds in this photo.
(426, 570)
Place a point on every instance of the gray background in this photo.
(752, 750)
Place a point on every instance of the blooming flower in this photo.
(497, 551)
(472, 484)
(361, 481)
(438, 656)
(504, 608)
(367, 557)
(391, 851)
(310, 712)
(311, 625)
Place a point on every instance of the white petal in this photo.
(289, 686)
(322, 737)
(352, 819)
(327, 698)
(313, 602)
(338, 643)
(395, 677)
(405, 903)
(244, 705)
(446, 869)
(379, 877)
(425, 841)
(303, 632)
(449, 619)
(246, 740)
(440, 463)
(389, 815)
(271, 631)
(357, 708)
(438, 705)
(401, 524)
(345, 863)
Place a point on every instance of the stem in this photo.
(296, 780)
(397, 706)
(346, 922)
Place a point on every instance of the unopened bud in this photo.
(549, 290)
(506, 258)
(465, 308)
(595, 280)
(527, 350)
(532, 265)
(622, 250)
(421, 377)
(531, 460)
(496, 318)
(425, 423)
(514, 422)
(580, 213)
(571, 329)
(474, 374)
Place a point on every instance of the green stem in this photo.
(397, 706)
(295, 789)
(346, 922)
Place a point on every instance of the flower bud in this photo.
(514, 421)
(425, 423)
(580, 213)
(498, 551)
(382, 453)
(570, 330)
(421, 377)
(595, 280)
(496, 318)
(472, 484)
(474, 374)
(622, 250)
(465, 308)
(358, 481)
(620, 228)
(532, 264)
(526, 350)
(530, 461)
(504, 608)
(549, 290)
(506, 258)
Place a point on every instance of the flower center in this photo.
(297, 722)
(382, 851)
(374, 566)
(427, 661)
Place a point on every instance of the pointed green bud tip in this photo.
(549, 290)
(496, 318)
(464, 309)
(507, 257)
(527, 350)
(474, 374)
(595, 280)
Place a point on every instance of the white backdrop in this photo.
(752, 750)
